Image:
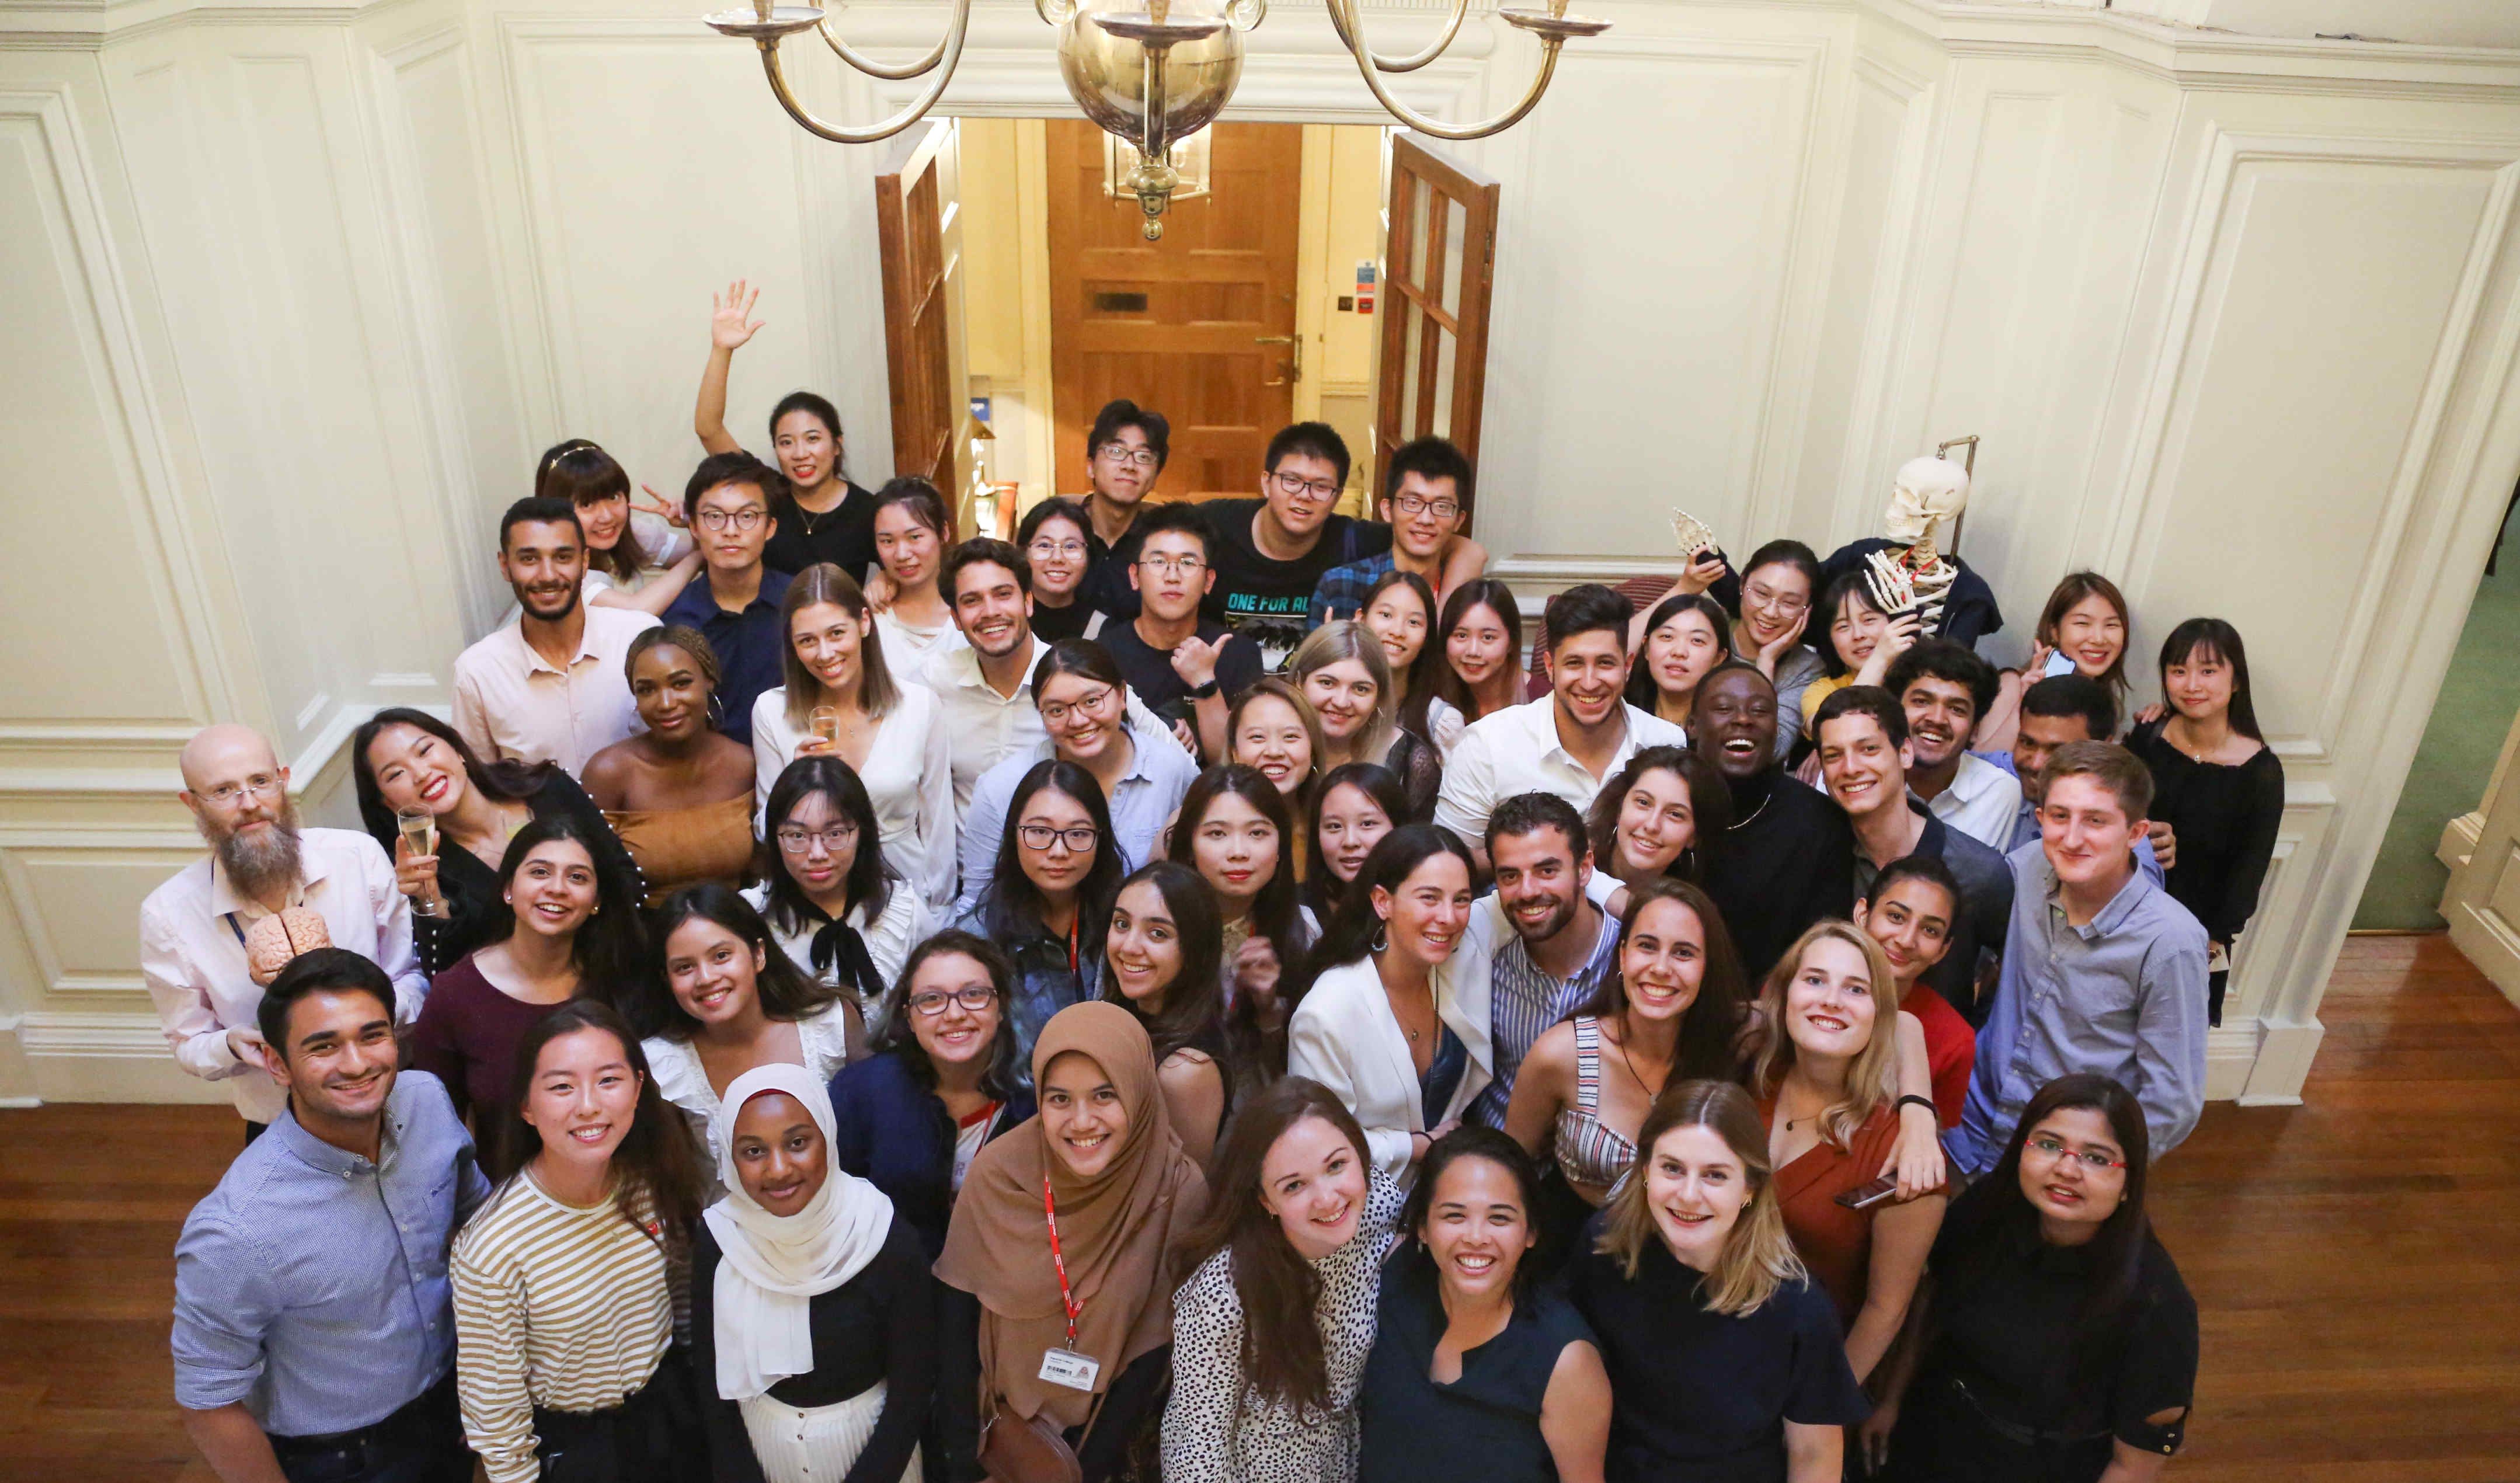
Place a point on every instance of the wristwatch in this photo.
(1204, 691)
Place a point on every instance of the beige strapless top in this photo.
(685, 846)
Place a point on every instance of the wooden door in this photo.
(1198, 324)
(1438, 271)
(2481, 902)
(914, 195)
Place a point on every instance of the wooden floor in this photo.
(2356, 1259)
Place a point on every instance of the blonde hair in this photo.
(1758, 1256)
(824, 582)
(1868, 1077)
(1347, 638)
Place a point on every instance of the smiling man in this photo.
(1425, 498)
(1944, 689)
(986, 687)
(314, 1332)
(1548, 948)
(2105, 971)
(735, 604)
(550, 687)
(1788, 860)
(1569, 740)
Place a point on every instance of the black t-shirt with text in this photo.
(1265, 597)
(1149, 670)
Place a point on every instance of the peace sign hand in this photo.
(671, 515)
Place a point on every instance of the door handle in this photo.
(1294, 362)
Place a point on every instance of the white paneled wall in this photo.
(295, 293)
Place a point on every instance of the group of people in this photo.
(1186, 994)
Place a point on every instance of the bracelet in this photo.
(1925, 1102)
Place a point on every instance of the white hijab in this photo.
(775, 1265)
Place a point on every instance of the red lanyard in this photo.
(1066, 1303)
(1073, 929)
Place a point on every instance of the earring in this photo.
(1381, 938)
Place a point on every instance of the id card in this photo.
(1066, 1367)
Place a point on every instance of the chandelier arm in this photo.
(916, 109)
(1348, 15)
(1416, 60)
(849, 54)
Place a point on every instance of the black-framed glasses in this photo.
(1418, 504)
(1095, 705)
(796, 840)
(749, 518)
(931, 1002)
(1122, 453)
(1293, 484)
(1078, 838)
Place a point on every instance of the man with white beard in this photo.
(193, 929)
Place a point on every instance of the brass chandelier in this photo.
(1151, 72)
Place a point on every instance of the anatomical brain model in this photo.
(275, 939)
(1911, 574)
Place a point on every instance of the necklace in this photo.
(1754, 813)
(1651, 1093)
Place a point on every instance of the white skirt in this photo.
(818, 1444)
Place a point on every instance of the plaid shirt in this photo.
(1341, 591)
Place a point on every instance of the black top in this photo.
(890, 1129)
(843, 535)
(1787, 863)
(1985, 909)
(1969, 612)
(469, 884)
(1149, 670)
(1705, 1396)
(880, 1327)
(1484, 1425)
(1107, 582)
(1052, 624)
(1132, 1404)
(749, 646)
(2224, 819)
(1266, 597)
(1995, 1397)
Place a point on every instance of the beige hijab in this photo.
(1117, 1229)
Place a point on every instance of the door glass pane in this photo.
(1412, 332)
(1457, 222)
(1445, 347)
(1421, 199)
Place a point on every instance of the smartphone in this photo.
(2057, 664)
(1866, 1197)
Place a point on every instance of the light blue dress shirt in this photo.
(1141, 804)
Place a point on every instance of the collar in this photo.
(224, 896)
(341, 1163)
(1976, 777)
(2109, 918)
(965, 672)
(533, 659)
(1553, 747)
(774, 587)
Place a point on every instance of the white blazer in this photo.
(1343, 1036)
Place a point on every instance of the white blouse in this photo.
(906, 648)
(682, 1080)
(909, 775)
(905, 921)
(1344, 1036)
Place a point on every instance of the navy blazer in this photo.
(896, 1133)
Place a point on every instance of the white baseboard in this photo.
(99, 1057)
(2231, 1053)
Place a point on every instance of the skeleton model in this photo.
(1911, 573)
(1693, 533)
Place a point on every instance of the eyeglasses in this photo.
(1044, 550)
(1290, 486)
(932, 1002)
(2050, 1147)
(1172, 566)
(1415, 503)
(749, 518)
(1095, 705)
(1768, 596)
(1122, 453)
(835, 839)
(229, 794)
(1078, 838)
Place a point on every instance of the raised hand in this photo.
(1194, 659)
(671, 514)
(1896, 639)
(1704, 571)
(880, 590)
(1256, 970)
(415, 876)
(728, 328)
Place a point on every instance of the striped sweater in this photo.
(559, 1307)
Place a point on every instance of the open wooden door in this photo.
(921, 245)
(2481, 902)
(1439, 271)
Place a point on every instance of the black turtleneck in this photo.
(1788, 862)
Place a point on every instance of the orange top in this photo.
(1836, 1243)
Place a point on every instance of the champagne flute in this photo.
(419, 831)
(827, 726)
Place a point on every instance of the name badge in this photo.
(1066, 1367)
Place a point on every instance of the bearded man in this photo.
(193, 929)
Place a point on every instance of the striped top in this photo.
(1590, 1151)
(559, 1307)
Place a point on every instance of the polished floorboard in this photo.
(2356, 1259)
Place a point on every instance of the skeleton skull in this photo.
(1927, 491)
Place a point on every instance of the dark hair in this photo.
(535, 509)
(1014, 890)
(507, 780)
(1272, 908)
(2074, 694)
(1472, 1141)
(2068, 595)
(1082, 657)
(1864, 700)
(582, 473)
(1943, 659)
(1645, 693)
(1785, 552)
(1992, 1228)
(1124, 413)
(1710, 1028)
(1856, 584)
(1478, 592)
(985, 550)
(660, 1182)
(2218, 640)
(1057, 508)
(2116, 769)
(1710, 809)
(1429, 458)
(1529, 814)
(1348, 936)
(1317, 440)
(925, 505)
(871, 881)
(1929, 869)
(317, 970)
(689, 641)
(1322, 889)
(735, 467)
(1417, 683)
(1282, 1356)
(1175, 518)
(1194, 1009)
(806, 401)
(611, 946)
(785, 991)
(1005, 1074)
(1583, 608)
